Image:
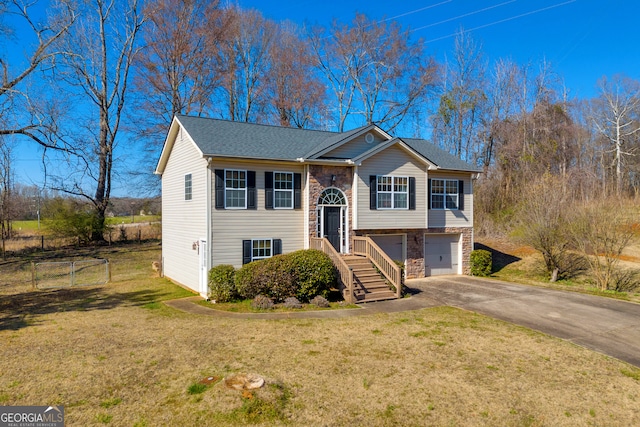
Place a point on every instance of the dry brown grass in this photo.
(522, 264)
(117, 355)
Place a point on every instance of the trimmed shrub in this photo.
(292, 302)
(303, 274)
(222, 286)
(270, 277)
(481, 263)
(319, 301)
(247, 280)
(262, 302)
(276, 276)
(313, 272)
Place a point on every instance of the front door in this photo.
(332, 225)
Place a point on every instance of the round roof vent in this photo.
(369, 138)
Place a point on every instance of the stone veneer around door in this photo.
(321, 178)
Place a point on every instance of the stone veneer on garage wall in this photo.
(320, 178)
(415, 247)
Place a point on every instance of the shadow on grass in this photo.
(499, 259)
(21, 310)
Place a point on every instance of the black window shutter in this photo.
(268, 190)
(429, 195)
(461, 195)
(277, 246)
(219, 188)
(252, 203)
(412, 193)
(373, 192)
(297, 191)
(246, 251)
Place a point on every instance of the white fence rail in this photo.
(65, 274)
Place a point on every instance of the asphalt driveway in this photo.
(605, 325)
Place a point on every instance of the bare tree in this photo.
(542, 223)
(457, 122)
(178, 67)
(616, 116)
(245, 60)
(102, 46)
(374, 70)
(601, 230)
(22, 109)
(6, 190)
(295, 93)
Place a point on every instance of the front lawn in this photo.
(116, 355)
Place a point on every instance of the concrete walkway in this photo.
(608, 326)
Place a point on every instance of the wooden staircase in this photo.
(369, 285)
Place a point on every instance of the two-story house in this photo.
(235, 192)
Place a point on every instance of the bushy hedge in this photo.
(222, 286)
(302, 274)
(314, 273)
(248, 280)
(481, 263)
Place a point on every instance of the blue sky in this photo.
(583, 40)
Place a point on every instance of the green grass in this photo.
(32, 225)
(196, 388)
(117, 220)
(24, 226)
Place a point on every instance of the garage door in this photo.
(441, 254)
(391, 245)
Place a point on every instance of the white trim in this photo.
(343, 141)
(291, 192)
(354, 195)
(445, 194)
(306, 208)
(184, 188)
(270, 249)
(392, 192)
(175, 128)
(246, 177)
(203, 270)
(426, 204)
(209, 215)
(344, 219)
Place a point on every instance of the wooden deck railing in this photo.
(365, 246)
(345, 273)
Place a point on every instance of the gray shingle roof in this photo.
(438, 156)
(239, 139)
(246, 140)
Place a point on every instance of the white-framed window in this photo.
(261, 249)
(444, 194)
(235, 188)
(392, 192)
(188, 187)
(283, 190)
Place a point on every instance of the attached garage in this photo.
(392, 244)
(441, 254)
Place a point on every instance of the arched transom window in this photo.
(332, 197)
